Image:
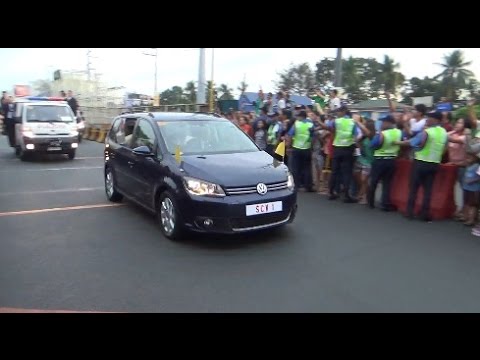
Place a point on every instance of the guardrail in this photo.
(99, 119)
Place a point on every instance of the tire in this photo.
(168, 217)
(71, 154)
(22, 155)
(112, 194)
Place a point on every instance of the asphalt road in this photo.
(334, 258)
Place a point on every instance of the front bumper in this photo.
(61, 144)
(227, 215)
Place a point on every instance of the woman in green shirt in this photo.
(363, 165)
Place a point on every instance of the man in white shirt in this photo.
(335, 102)
(281, 101)
(419, 120)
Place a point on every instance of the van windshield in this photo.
(48, 113)
(203, 137)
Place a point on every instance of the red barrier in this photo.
(442, 205)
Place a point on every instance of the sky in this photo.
(260, 66)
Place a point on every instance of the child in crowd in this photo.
(260, 135)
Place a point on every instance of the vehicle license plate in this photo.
(265, 208)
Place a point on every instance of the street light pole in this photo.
(338, 68)
(155, 80)
(201, 79)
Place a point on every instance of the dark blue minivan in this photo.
(196, 172)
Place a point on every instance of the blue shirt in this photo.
(444, 107)
(471, 180)
(291, 132)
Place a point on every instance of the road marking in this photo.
(68, 208)
(5, 310)
(54, 169)
(50, 191)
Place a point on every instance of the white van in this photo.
(44, 125)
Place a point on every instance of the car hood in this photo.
(235, 170)
(50, 128)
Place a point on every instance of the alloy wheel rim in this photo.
(109, 183)
(167, 216)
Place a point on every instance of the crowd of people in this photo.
(338, 153)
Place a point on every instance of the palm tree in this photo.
(225, 91)
(191, 92)
(209, 90)
(455, 75)
(391, 78)
(243, 87)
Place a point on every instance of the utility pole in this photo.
(338, 68)
(202, 79)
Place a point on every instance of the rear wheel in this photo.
(112, 194)
(169, 218)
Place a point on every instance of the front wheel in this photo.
(23, 155)
(169, 218)
(71, 154)
(112, 194)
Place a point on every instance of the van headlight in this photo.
(290, 182)
(202, 188)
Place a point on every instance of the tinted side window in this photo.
(114, 131)
(144, 136)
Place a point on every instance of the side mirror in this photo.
(143, 151)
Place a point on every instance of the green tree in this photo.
(173, 96)
(389, 76)
(191, 92)
(298, 79)
(43, 87)
(353, 79)
(242, 87)
(417, 87)
(225, 92)
(474, 89)
(325, 72)
(209, 91)
(455, 75)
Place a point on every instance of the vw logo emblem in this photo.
(262, 189)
